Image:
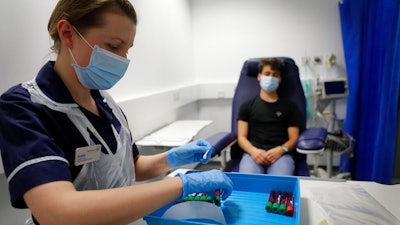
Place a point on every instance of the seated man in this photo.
(268, 127)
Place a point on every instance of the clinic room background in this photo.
(187, 54)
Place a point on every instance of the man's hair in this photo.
(275, 63)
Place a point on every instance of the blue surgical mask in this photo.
(105, 68)
(269, 84)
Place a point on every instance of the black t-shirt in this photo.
(268, 122)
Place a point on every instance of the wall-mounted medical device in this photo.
(332, 88)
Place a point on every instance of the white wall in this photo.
(162, 56)
(147, 113)
(227, 32)
(24, 39)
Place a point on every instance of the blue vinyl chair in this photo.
(248, 87)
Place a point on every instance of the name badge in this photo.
(87, 154)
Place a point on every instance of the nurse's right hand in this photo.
(206, 182)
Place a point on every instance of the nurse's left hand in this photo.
(194, 152)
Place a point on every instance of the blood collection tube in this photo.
(203, 197)
(282, 206)
(271, 199)
(277, 201)
(190, 197)
(217, 197)
(209, 199)
(197, 197)
(289, 205)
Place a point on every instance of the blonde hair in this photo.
(84, 14)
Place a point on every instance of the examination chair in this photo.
(248, 87)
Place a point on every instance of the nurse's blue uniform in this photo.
(42, 129)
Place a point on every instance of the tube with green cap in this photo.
(282, 206)
(271, 199)
(275, 205)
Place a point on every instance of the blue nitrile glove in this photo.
(206, 182)
(189, 153)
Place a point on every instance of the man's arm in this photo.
(293, 134)
(275, 153)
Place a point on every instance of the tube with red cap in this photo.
(289, 205)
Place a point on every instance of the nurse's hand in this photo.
(198, 151)
(206, 182)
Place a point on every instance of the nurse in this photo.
(67, 150)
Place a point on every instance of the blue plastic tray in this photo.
(246, 204)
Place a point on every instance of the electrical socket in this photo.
(317, 60)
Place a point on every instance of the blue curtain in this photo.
(371, 40)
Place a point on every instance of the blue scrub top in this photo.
(30, 130)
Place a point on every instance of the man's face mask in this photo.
(269, 84)
(105, 68)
